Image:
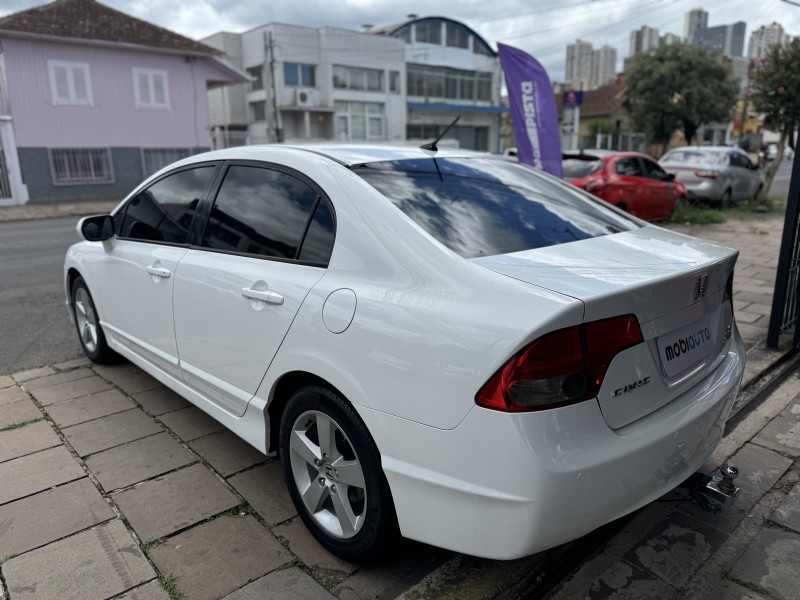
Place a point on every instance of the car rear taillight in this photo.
(595, 185)
(560, 368)
(706, 174)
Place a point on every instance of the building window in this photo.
(447, 83)
(429, 31)
(457, 36)
(70, 83)
(155, 159)
(394, 81)
(257, 73)
(298, 74)
(150, 88)
(258, 111)
(359, 121)
(353, 78)
(81, 165)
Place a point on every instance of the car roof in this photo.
(588, 154)
(346, 154)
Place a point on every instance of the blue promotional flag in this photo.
(533, 110)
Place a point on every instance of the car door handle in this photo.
(158, 271)
(262, 295)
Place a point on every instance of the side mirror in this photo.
(670, 176)
(98, 228)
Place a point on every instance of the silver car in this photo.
(717, 175)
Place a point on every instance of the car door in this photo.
(135, 275)
(267, 242)
(742, 175)
(661, 189)
(632, 188)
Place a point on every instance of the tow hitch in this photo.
(721, 487)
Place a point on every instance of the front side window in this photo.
(70, 83)
(150, 88)
(81, 165)
(299, 74)
(484, 207)
(653, 171)
(260, 211)
(164, 211)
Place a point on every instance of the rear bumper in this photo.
(504, 486)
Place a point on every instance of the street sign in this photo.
(572, 98)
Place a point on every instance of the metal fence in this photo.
(786, 297)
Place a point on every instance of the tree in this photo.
(774, 85)
(678, 86)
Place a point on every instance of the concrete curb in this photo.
(29, 212)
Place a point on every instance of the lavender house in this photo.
(93, 100)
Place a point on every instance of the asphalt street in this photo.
(34, 324)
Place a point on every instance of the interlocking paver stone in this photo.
(88, 408)
(71, 364)
(98, 563)
(288, 584)
(191, 423)
(148, 591)
(6, 381)
(783, 432)
(673, 550)
(136, 382)
(57, 379)
(133, 462)
(118, 370)
(73, 389)
(26, 440)
(624, 581)
(36, 472)
(215, 558)
(788, 513)
(265, 489)
(771, 563)
(183, 498)
(227, 452)
(12, 394)
(50, 515)
(18, 412)
(32, 374)
(305, 546)
(160, 400)
(110, 431)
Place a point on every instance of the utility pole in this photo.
(269, 51)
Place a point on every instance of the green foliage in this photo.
(678, 86)
(695, 215)
(167, 581)
(775, 83)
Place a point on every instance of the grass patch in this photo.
(153, 544)
(167, 581)
(751, 209)
(19, 425)
(697, 215)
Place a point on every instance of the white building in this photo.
(310, 84)
(404, 82)
(766, 37)
(694, 22)
(579, 65)
(643, 39)
(604, 66)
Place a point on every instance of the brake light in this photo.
(595, 185)
(560, 368)
(706, 174)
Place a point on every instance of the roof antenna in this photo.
(432, 146)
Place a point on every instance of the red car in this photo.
(630, 180)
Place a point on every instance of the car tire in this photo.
(758, 192)
(725, 201)
(336, 484)
(87, 323)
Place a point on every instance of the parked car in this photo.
(719, 176)
(464, 350)
(629, 180)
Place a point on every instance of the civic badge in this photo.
(700, 287)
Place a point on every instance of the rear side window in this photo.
(164, 211)
(629, 167)
(318, 243)
(576, 167)
(482, 207)
(260, 211)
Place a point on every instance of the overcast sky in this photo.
(541, 27)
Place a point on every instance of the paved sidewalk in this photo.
(111, 486)
(55, 210)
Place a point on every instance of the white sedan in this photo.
(441, 344)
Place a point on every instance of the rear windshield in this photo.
(483, 206)
(693, 156)
(576, 167)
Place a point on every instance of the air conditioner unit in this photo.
(305, 97)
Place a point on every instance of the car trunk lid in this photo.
(673, 284)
